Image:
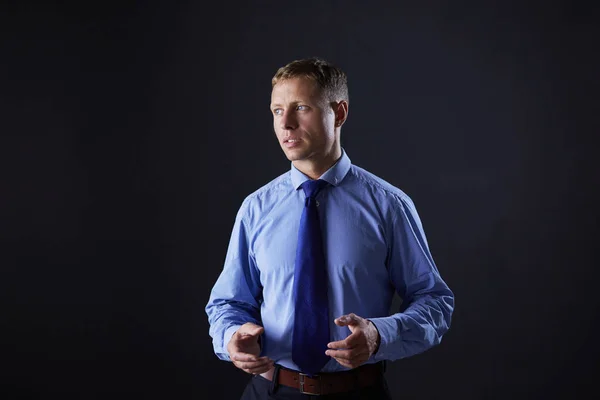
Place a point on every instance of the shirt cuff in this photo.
(389, 332)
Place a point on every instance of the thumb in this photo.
(251, 330)
(347, 320)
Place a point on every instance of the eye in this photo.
(277, 111)
(302, 108)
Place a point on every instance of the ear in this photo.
(340, 110)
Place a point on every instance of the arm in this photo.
(427, 304)
(236, 296)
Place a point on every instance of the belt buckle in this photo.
(301, 382)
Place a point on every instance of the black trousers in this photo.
(260, 388)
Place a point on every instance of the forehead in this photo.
(294, 89)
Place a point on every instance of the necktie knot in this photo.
(311, 188)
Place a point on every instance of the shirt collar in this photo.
(333, 175)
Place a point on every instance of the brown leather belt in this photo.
(330, 382)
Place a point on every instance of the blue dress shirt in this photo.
(374, 244)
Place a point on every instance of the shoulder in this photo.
(390, 199)
(376, 184)
(266, 196)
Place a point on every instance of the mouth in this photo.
(291, 142)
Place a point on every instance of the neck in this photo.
(315, 168)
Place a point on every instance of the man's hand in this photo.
(359, 345)
(244, 350)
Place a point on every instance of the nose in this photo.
(288, 120)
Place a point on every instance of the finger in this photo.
(261, 369)
(342, 354)
(250, 329)
(348, 319)
(351, 363)
(346, 354)
(246, 357)
(249, 365)
(344, 362)
(243, 338)
(351, 341)
(340, 344)
(255, 367)
(343, 320)
(263, 361)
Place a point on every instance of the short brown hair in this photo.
(329, 78)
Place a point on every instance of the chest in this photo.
(354, 240)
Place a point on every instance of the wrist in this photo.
(378, 339)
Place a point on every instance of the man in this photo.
(304, 297)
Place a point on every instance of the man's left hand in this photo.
(359, 345)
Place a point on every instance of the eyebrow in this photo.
(293, 102)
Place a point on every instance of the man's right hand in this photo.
(244, 350)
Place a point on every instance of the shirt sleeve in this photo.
(237, 294)
(427, 302)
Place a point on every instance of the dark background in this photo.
(131, 133)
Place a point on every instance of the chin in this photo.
(293, 155)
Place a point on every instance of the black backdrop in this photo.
(132, 132)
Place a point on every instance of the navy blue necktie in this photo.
(311, 320)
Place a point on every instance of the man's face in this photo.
(303, 120)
